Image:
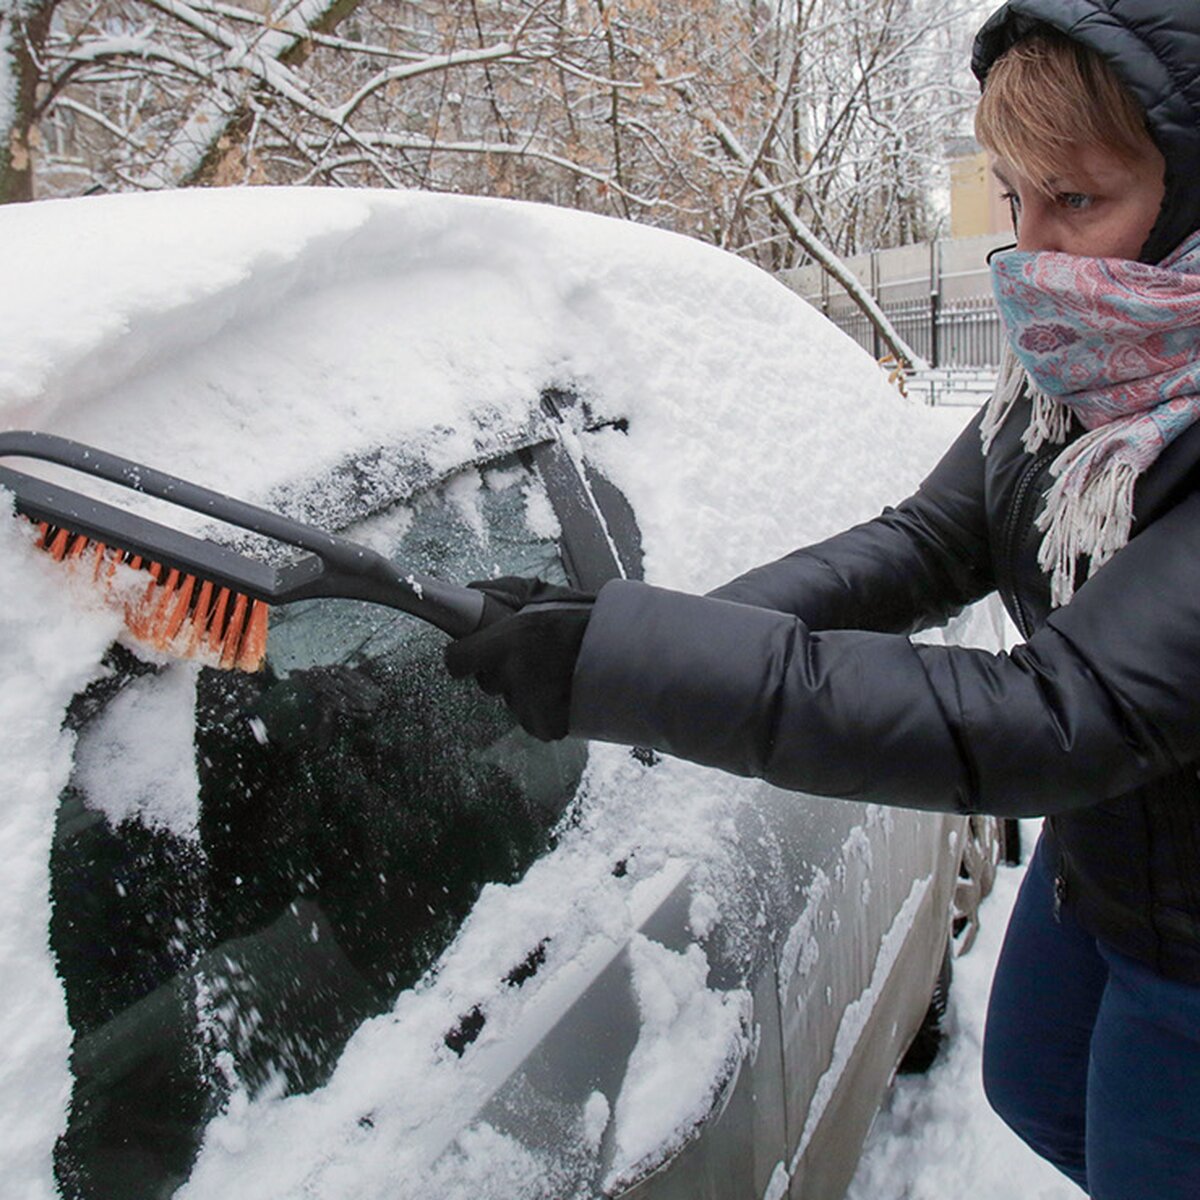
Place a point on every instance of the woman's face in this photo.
(1098, 205)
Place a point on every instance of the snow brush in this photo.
(204, 600)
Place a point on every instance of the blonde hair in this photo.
(1048, 94)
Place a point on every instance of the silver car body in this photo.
(703, 987)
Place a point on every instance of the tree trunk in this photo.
(228, 136)
(23, 28)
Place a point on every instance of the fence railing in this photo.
(937, 294)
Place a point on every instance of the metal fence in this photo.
(938, 295)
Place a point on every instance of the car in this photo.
(340, 927)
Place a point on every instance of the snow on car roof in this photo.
(251, 338)
(245, 337)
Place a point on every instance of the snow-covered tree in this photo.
(854, 99)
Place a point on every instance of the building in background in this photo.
(976, 206)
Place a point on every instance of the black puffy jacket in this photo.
(797, 673)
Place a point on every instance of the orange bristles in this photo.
(183, 603)
(254, 640)
(217, 622)
(233, 636)
(176, 612)
(58, 547)
(98, 561)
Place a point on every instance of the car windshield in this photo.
(226, 921)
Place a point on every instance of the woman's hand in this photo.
(526, 650)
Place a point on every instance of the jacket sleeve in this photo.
(911, 567)
(1101, 699)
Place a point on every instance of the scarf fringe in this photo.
(1089, 509)
(1049, 421)
(1088, 513)
(1010, 381)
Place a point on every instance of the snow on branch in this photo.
(813, 246)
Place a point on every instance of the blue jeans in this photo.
(1092, 1058)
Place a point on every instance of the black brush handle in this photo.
(337, 567)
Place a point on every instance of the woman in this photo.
(1075, 494)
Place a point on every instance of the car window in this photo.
(235, 891)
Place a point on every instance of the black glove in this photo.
(526, 650)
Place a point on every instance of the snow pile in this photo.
(691, 1039)
(133, 764)
(51, 638)
(255, 340)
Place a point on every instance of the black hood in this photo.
(1154, 48)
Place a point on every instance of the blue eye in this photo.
(1074, 200)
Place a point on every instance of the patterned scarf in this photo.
(1116, 344)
